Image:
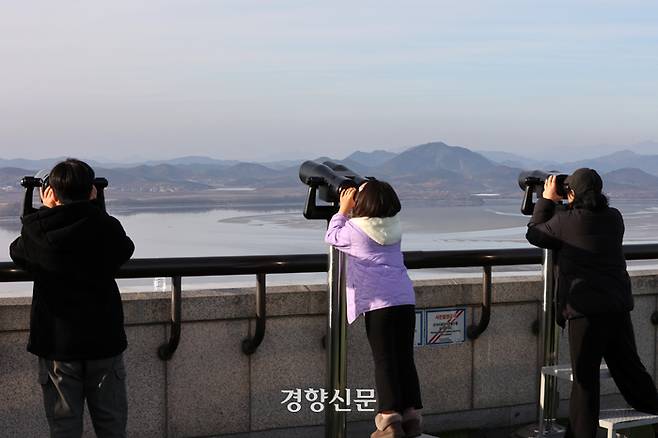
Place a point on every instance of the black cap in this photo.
(584, 180)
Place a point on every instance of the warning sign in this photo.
(444, 326)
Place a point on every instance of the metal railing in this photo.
(176, 268)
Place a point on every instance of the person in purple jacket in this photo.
(379, 287)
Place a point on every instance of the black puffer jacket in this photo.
(73, 252)
(592, 276)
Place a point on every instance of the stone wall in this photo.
(211, 388)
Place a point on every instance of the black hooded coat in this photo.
(73, 252)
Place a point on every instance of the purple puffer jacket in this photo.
(376, 275)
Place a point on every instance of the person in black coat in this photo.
(593, 295)
(73, 249)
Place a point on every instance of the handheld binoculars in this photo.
(326, 181)
(532, 182)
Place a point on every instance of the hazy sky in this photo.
(258, 80)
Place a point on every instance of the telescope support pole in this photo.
(335, 421)
(550, 335)
(547, 426)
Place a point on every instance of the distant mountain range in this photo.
(539, 160)
(619, 160)
(432, 171)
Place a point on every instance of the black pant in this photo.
(391, 335)
(66, 386)
(610, 337)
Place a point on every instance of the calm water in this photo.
(497, 224)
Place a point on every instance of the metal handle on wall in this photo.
(475, 330)
(166, 351)
(250, 344)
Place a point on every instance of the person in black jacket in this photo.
(73, 249)
(593, 295)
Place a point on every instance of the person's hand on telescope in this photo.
(347, 200)
(93, 194)
(550, 189)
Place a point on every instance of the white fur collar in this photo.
(383, 230)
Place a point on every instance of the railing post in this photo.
(167, 350)
(249, 345)
(335, 421)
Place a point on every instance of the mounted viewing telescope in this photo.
(532, 182)
(31, 182)
(326, 181)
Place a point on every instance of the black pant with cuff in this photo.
(606, 336)
(391, 336)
